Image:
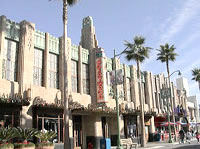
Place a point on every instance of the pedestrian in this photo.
(181, 136)
(188, 137)
(197, 136)
(192, 132)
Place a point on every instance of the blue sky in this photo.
(174, 21)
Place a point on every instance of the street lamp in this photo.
(179, 73)
(173, 116)
(116, 99)
(166, 94)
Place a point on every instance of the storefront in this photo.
(10, 115)
(130, 126)
(49, 119)
(11, 107)
(158, 121)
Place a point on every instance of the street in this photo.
(175, 145)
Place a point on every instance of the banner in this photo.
(119, 78)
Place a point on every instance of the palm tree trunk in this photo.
(199, 84)
(65, 89)
(143, 140)
(169, 126)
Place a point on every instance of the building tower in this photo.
(88, 41)
(182, 84)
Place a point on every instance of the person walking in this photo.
(182, 136)
(197, 136)
(188, 137)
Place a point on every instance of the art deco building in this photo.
(31, 63)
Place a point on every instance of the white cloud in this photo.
(186, 13)
(189, 68)
(173, 25)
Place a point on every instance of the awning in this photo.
(167, 123)
(180, 123)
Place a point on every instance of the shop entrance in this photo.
(77, 132)
(130, 128)
(9, 115)
(48, 119)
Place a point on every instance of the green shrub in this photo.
(5, 146)
(46, 136)
(25, 134)
(44, 144)
(6, 134)
(20, 145)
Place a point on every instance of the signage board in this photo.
(119, 78)
(100, 80)
(165, 93)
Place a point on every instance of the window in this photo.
(128, 89)
(85, 79)
(53, 70)
(49, 120)
(38, 67)
(9, 62)
(74, 75)
(144, 91)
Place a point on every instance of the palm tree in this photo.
(196, 75)
(165, 55)
(64, 89)
(137, 52)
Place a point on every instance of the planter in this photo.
(24, 146)
(6, 146)
(48, 145)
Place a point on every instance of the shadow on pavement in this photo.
(188, 147)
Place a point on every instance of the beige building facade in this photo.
(31, 63)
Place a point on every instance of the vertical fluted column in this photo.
(46, 60)
(80, 71)
(2, 40)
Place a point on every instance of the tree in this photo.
(137, 52)
(165, 55)
(64, 93)
(196, 75)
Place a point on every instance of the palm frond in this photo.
(71, 2)
(6, 134)
(26, 133)
(46, 136)
(196, 74)
(166, 53)
(136, 51)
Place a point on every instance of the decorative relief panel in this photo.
(109, 64)
(12, 30)
(128, 72)
(39, 39)
(30, 35)
(53, 44)
(74, 52)
(88, 21)
(85, 56)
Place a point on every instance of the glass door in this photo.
(77, 132)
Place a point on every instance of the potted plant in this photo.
(24, 136)
(6, 134)
(45, 140)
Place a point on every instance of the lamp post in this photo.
(166, 94)
(173, 116)
(116, 99)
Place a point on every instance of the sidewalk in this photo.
(160, 144)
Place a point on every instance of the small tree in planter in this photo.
(6, 134)
(24, 136)
(45, 140)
